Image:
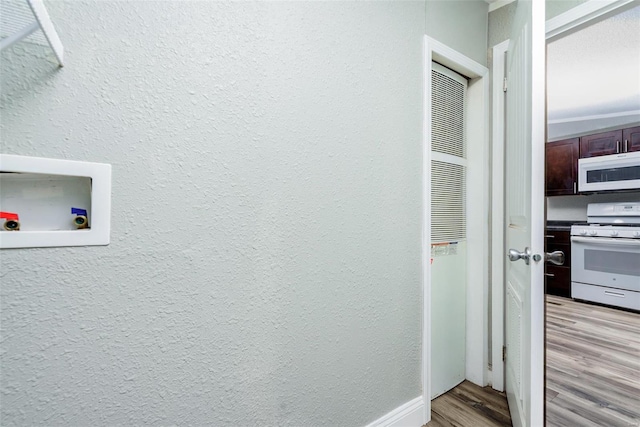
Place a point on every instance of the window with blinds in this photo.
(448, 154)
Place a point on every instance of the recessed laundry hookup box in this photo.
(52, 202)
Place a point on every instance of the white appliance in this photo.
(613, 172)
(605, 255)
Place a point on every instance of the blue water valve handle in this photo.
(78, 211)
(80, 221)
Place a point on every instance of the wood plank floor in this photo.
(470, 405)
(593, 365)
(592, 374)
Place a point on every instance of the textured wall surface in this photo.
(500, 19)
(264, 267)
(461, 25)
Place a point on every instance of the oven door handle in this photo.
(607, 241)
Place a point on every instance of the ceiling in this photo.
(596, 70)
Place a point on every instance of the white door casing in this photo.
(524, 215)
(497, 216)
(477, 224)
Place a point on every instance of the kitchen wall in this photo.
(265, 256)
(560, 130)
(574, 208)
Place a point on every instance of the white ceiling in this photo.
(596, 70)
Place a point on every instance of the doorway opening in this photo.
(561, 26)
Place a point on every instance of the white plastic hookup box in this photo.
(47, 196)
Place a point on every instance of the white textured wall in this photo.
(499, 24)
(500, 19)
(461, 25)
(265, 259)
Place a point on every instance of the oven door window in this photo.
(606, 262)
(614, 262)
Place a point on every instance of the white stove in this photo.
(621, 220)
(605, 255)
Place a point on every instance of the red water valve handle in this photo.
(9, 215)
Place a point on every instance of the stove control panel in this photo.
(610, 220)
(615, 231)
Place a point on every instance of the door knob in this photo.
(515, 255)
(555, 257)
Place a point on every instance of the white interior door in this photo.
(524, 215)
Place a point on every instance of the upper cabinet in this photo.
(614, 142)
(601, 144)
(561, 172)
(561, 157)
(631, 139)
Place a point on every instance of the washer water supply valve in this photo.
(80, 221)
(11, 222)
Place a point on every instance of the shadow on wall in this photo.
(26, 65)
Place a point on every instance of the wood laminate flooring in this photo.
(592, 374)
(470, 405)
(592, 366)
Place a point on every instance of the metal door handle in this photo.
(555, 257)
(515, 255)
(617, 147)
(626, 145)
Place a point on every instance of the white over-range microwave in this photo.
(613, 172)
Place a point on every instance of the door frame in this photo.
(477, 126)
(560, 26)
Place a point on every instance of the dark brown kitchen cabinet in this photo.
(561, 167)
(601, 144)
(558, 277)
(631, 139)
(561, 157)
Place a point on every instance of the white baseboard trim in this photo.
(411, 414)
